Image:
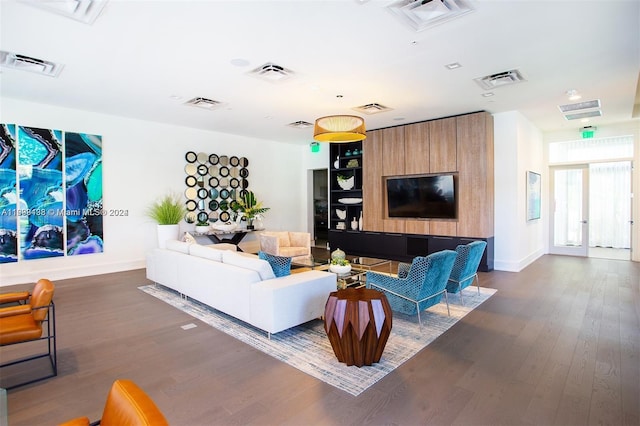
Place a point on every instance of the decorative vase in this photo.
(360, 222)
(336, 164)
(338, 254)
(354, 224)
(346, 184)
(202, 229)
(250, 223)
(167, 232)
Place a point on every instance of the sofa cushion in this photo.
(283, 237)
(179, 246)
(261, 266)
(281, 265)
(206, 252)
(294, 251)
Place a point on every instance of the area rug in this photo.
(307, 348)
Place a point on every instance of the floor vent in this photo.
(500, 79)
(300, 124)
(581, 115)
(27, 63)
(373, 108)
(204, 103)
(580, 105)
(86, 11)
(272, 72)
(423, 14)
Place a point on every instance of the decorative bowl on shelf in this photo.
(340, 269)
(350, 200)
(346, 184)
(224, 226)
(342, 214)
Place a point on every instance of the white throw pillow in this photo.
(188, 238)
(262, 267)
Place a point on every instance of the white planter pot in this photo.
(202, 229)
(167, 232)
(340, 269)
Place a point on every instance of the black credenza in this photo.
(402, 247)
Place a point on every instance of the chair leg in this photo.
(477, 283)
(419, 319)
(460, 293)
(446, 299)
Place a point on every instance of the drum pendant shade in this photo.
(339, 128)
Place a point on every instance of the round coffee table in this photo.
(358, 323)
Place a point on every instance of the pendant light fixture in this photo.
(339, 128)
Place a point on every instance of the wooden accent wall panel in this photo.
(443, 145)
(372, 185)
(475, 186)
(416, 148)
(393, 151)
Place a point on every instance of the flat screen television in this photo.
(423, 197)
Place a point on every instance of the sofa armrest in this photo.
(300, 239)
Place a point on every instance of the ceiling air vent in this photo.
(501, 79)
(27, 63)
(300, 124)
(373, 108)
(86, 11)
(581, 115)
(272, 72)
(580, 105)
(423, 14)
(204, 103)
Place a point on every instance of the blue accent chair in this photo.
(465, 268)
(420, 286)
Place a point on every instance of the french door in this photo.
(569, 210)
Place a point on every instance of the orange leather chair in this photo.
(22, 302)
(26, 323)
(127, 405)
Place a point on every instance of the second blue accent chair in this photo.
(419, 287)
(465, 268)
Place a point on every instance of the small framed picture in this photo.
(534, 193)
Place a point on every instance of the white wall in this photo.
(144, 160)
(518, 148)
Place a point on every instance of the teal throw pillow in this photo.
(281, 265)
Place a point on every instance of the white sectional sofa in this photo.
(241, 285)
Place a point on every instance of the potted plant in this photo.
(250, 208)
(167, 212)
(190, 222)
(202, 227)
(340, 266)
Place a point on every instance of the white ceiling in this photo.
(139, 55)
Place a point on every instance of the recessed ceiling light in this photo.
(453, 66)
(573, 95)
(487, 94)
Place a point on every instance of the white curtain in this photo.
(610, 204)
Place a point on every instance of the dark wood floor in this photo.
(559, 343)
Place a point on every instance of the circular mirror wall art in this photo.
(234, 183)
(234, 172)
(243, 193)
(234, 205)
(213, 159)
(224, 194)
(213, 216)
(201, 205)
(191, 205)
(224, 182)
(213, 205)
(224, 216)
(191, 181)
(245, 183)
(203, 193)
(191, 157)
(213, 182)
(190, 169)
(244, 162)
(244, 172)
(203, 217)
(224, 171)
(213, 193)
(213, 170)
(202, 170)
(202, 157)
(224, 205)
(224, 160)
(234, 161)
(191, 193)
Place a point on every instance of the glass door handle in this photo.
(583, 221)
